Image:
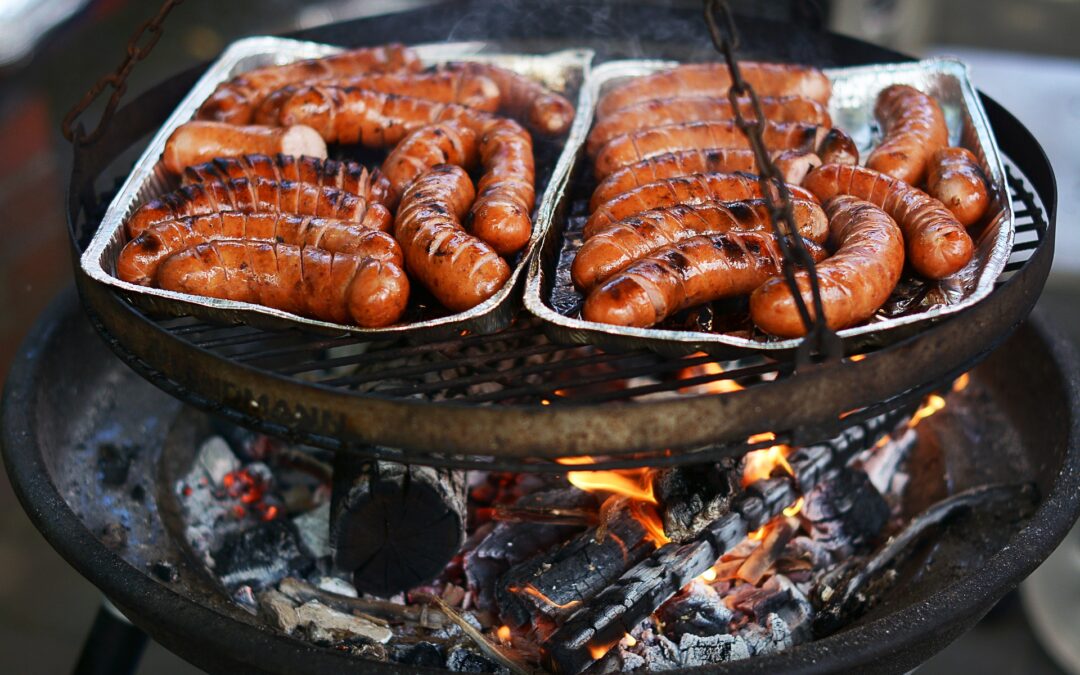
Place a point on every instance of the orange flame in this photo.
(503, 634)
(633, 483)
(961, 383)
(758, 534)
(759, 464)
(931, 405)
(708, 575)
(529, 589)
(856, 357)
(795, 508)
(598, 651)
(704, 369)
(647, 516)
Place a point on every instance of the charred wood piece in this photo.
(845, 510)
(691, 497)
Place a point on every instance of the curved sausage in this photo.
(838, 148)
(694, 271)
(677, 110)
(198, 142)
(235, 101)
(140, 257)
(252, 197)
(525, 99)
(638, 145)
(620, 244)
(956, 179)
(671, 165)
(502, 213)
(937, 245)
(794, 165)
(713, 79)
(442, 143)
(854, 282)
(460, 270)
(693, 189)
(914, 129)
(337, 287)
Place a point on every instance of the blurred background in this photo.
(1024, 53)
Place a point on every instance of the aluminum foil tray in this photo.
(563, 71)
(550, 295)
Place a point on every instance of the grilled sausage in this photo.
(251, 197)
(638, 145)
(854, 282)
(793, 165)
(460, 270)
(914, 129)
(235, 101)
(442, 143)
(696, 188)
(525, 99)
(198, 142)
(621, 243)
(671, 165)
(141, 257)
(693, 271)
(838, 148)
(713, 79)
(937, 245)
(677, 110)
(502, 214)
(956, 179)
(337, 287)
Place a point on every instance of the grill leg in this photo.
(113, 647)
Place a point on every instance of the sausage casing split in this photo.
(460, 270)
(914, 129)
(638, 145)
(713, 79)
(338, 287)
(957, 181)
(854, 282)
(441, 143)
(936, 244)
(523, 98)
(199, 141)
(693, 271)
(620, 244)
(693, 189)
(235, 101)
(140, 257)
(677, 110)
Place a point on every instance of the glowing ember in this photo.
(629, 640)
(794, 509)
(961, 383)
(704, 370)
(857, 357)
(633, 483)
(764, 436)
(529, 589)
(708, 575)
(758, 534)
(544, 401)
(931, 405)
(598, 651)
(760, 464)
(504, 634)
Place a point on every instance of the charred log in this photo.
(691, 497)
(845, 510)
(394, 526)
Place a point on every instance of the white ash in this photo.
(314, 529)
(661, 653)
(216, 459)
(769, 637)
(703, 650)
(206, 508)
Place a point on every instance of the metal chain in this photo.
(117, 79)
(820, 341)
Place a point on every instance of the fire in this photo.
(759, 464)
(706, 369)
(856, 357)
(633, 483)
(931, 405)
(795, 508)
(630, 640)
(758, 534)
(961, 383)
(503, 634)
(529, 589)
(647, 516)
(708, 575)
(598, 651)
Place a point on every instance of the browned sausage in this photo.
(956, 179)
(525, 99)
(343, 175)
(621, 243)
(140, 258)
(235, 101)
(337, 287)
(793, 165)
(199, 142)
(250, 197)
(854, 282)
(713, 79)
(442, 143)
(937, 244)
(693, 189)
(502, 214)
(914, 129)
(638, 145)
(838, 148)
(460, 270)
(693, 271)
(677, 110)
(671, 165)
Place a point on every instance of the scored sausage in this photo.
(691, 272)
(235, 101)
(693, 189)
(140, 257)
(793, 165)
(677, 110)
(838, 148)
(198, 142)
(337, 287)
(524, 98)
(505, 193)
(714, 79)
(937, 245)
(914, 129)
(460, 270)
(854, 282)
(956, 179)
(638, 145)
(671, 165)
(621, 243)
(442, 143)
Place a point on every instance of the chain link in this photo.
(152, 29)
(820, 342)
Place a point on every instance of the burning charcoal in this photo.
(704, 650)
(261, 555)
(845, 510)
(114, 536)
(805, 548)
(883, 466)
(697, 609)
(768, 637)
(314, 530)
(164, 570)
(216, 459)
(465, 661)
(424, 655)
(324, 624)
(660, 653)
(691, 497)
(619, 660)
(114, 462)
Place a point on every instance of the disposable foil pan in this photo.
(550, 295)
(563, 71)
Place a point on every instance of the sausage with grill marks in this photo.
(691, 272)
(620, 244)
(525, 99)
(502, 213)
(936, 244)
(200, 141)
(671, 165)
(140, 257)
(854, 282)
(442, 143)
(956, 179)
(838, 148)
(338, 287)
(914, 129)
